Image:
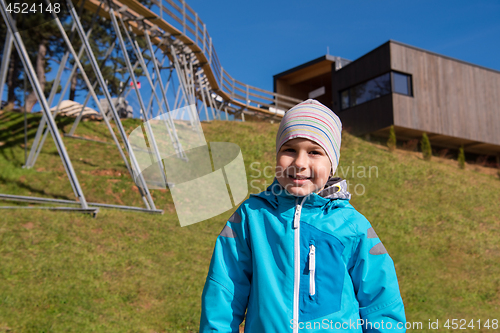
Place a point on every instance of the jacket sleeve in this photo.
(227, 287)
(375, 283)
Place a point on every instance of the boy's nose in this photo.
(301, 159)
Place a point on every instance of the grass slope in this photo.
(136, 272)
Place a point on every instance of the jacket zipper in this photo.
(296, 285)
(312, 270)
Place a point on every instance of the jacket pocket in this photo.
(322, 273)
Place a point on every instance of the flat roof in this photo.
(425, 51)
(327, 58)
(330, 58)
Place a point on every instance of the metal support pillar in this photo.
(175, 140)
(171, 131)
(30, 161)
(177, 100)
(180, 76)
(203, 96)
(186, 81)
(148, 200)
(210, 100)
(23, 54)
(91, 90)
(69, 202)
(37, 145)
(7, 50)
(94, 85)
(147, 125)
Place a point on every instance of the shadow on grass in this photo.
(89, 163)
(12, 132)
(21, 185)
(102, 132)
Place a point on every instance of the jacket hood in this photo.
(335, 188)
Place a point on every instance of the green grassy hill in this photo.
(137, 272)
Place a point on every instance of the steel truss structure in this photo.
(178, 51)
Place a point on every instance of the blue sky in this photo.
(258, 39)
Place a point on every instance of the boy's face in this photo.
(302, 167)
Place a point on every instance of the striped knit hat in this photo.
(314, 121)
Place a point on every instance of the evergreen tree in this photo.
(498, 165)
(391, 142)
(425, 145)
(41, 39)
(461, 158)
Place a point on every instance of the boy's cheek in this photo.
(279, 171)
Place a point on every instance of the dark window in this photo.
(401, 83)
(344, 99)
(372, 89)
(375, 88)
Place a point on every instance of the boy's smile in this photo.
(302, 167)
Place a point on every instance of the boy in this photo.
(298, 256)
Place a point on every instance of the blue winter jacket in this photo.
(301, 264)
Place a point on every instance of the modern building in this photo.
(456, 103)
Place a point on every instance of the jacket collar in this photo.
(335, 188)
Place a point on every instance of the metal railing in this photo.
(178, 14)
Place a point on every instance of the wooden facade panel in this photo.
(302, 89)
(309, 73)
(282, 88)
(450, 97)
(296, 91)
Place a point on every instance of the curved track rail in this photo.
(176, 21)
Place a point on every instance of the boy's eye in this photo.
(289, 150)
(315, 152)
